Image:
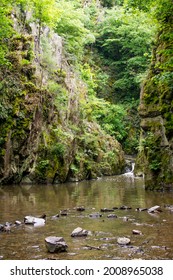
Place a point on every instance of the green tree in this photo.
(6, 30)
(71, 26)
(124, 41)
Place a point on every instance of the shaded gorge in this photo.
(123, 194)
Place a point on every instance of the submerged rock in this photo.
(80, 208)
(125, 219)
(95, 215)
(124, 207)
(55, 217)
(141, 209)
(64, 212)
(106, 210)
(6, 227)
(1, 227)
(55, 244)
(79, 232)
(112, 216)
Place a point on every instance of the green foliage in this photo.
(151, 146)
(70, 25)
(6, 30)
(141, 5)
(89, 77)
(124, 41)
(111, 3)
(45, 12)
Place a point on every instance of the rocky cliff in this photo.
(46, 137)
(155, 158)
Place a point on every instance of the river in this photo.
(26, 242)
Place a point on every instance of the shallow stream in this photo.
(27, 241)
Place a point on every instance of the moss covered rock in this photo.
(44, 136)
(155, 158)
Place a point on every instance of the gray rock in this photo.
(64, 212)
(95, 215)
(137, 232)
(141, 209)
(154, 209)
(18, 223)
(30, 220)
(55, 244)
(80, 208)
(79, 232)
(55, 217)
(106, 210)
(123, 241)
(124, 207)
(1, 227)
(111, 216)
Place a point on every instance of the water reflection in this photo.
(27, 242)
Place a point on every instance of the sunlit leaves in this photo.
(71, 26)
(125, 39)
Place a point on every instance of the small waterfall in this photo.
(130, 168)
(133, 167)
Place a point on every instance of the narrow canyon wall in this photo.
(155, 158)
(46, 136)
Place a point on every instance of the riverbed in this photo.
(27, 242)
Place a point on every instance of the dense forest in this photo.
(82, 84)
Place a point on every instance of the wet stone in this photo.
(141, 209)
(30, 220)
(123, 241)
(137, 232)
(63, 212)
(55, 244)
(106, 210)
(18, 223)
(80, 208)
(153, 209)
(112, 216)
(55, 217)
(1, 227)
(95, 215)
(79, 232)
(124, 207)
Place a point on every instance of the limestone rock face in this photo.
(46, 136)
(155, 158)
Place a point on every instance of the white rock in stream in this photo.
(153, 209)
(30, 220)
(123, 241)
(55, 244)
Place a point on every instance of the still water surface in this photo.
(27, 242)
